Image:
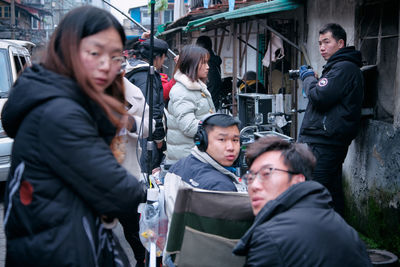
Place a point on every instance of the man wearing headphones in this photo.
(211, 163)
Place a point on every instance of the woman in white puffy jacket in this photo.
(190, 101)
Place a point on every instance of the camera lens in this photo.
(294, 74)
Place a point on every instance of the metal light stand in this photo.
(149, 93)
(150, 257)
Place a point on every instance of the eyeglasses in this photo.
(116, 61)
(263, 174)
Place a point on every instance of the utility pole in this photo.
(12, 19)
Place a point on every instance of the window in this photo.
(146, 18)
(35, 23)
(378, 31)
(168, 16)
(18, 64)
(6, 77)
(6, 12)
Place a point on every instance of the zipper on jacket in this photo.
(13, 187)
(323, 122)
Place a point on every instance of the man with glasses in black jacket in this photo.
(295, 223)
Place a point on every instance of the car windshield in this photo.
(5, 74)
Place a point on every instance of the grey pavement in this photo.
(118, 232)
(2, 239)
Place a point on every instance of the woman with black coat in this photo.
(64, 182)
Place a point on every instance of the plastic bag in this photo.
(153, 221)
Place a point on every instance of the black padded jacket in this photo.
(63, 175)
(333, 112)
(300, 228)
(138, 74)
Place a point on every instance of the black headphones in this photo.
(200, 138)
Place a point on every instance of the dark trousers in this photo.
(130, 224)
(328, 171)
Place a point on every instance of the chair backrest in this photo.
(206, 225)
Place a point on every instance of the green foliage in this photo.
(160, 5)
(370, 243)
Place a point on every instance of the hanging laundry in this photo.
(280, 120)
(275, 45)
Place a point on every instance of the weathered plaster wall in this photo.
(397, 89)
(372, 183)
(372, 167)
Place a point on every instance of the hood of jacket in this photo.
(35, 86)
(316, 195)
(206, 158)
(196, 85)
(348, 53)
(134, 64)
(214, 59)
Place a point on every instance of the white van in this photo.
(14, 56)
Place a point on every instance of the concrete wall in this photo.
(372, 183)
(397, 89)
(372, 167)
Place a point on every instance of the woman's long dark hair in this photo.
(190, 59)
(63, 55)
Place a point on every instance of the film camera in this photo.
(295, 74)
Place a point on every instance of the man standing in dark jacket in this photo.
(333, 112)
(137, 72)
(295, 224)
(214, 72)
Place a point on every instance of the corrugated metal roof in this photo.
(263, 8)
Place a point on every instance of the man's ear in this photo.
(298, 178)
(341, 43)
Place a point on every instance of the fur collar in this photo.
(182, 78)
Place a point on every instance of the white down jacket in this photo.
(189, 103)
(134, 96)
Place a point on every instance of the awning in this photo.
(258, 9)
(160, 32)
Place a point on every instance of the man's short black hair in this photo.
(160, 48)
(296, 156)
(250, 75)
(132, 46)
(205, 42)
(132, 43)
(221, 120)
(337, 31)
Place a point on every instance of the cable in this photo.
(137, 23)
